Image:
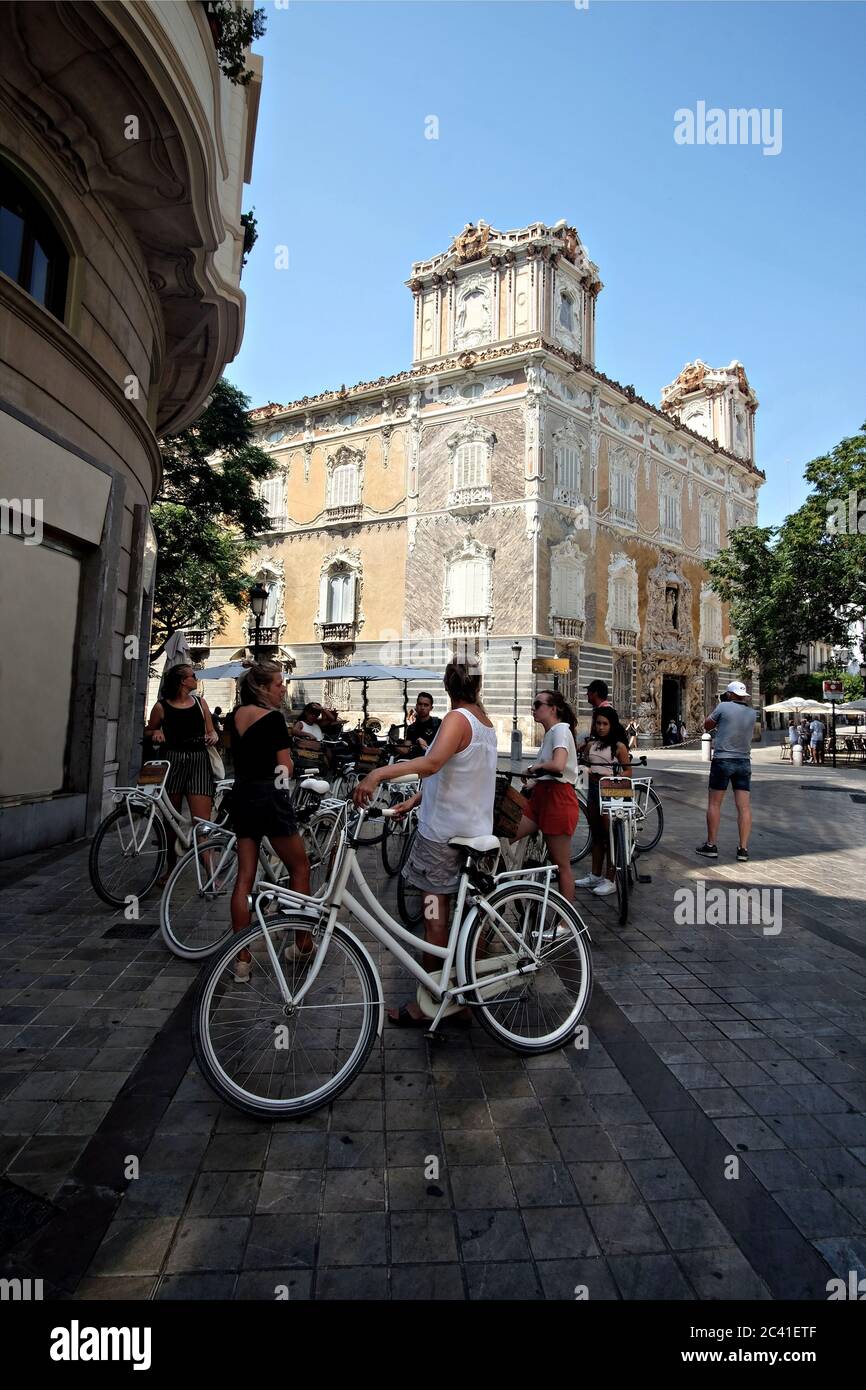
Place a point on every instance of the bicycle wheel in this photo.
(536, 1010)
(410, 900)
(621, 875)
(126, 858)
(394, 842)
(279, 1061)
(581, 840)
(195, 910)
(650, 821)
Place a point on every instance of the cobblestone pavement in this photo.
(712, 1048)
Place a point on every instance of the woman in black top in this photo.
(261, 804)
(181, 728)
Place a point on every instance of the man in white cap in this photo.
(734, 723)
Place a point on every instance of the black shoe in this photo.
(742, 855)
(708, 851)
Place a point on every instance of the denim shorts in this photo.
(737, 771)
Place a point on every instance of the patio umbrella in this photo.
(852, 705)
(368, 671)
(791, 706)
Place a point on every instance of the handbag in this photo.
(216, 763)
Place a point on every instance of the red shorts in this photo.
(554, 807)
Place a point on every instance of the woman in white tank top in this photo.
(459, 776)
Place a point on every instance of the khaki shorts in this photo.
(432, 867)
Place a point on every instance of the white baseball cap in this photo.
(736, 688)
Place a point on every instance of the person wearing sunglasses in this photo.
(552, 805)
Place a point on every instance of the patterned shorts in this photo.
(190, 773)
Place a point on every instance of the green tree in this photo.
(206, 516)
(803, 581)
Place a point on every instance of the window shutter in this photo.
(324, 594)
(556, 591)
(349, 599)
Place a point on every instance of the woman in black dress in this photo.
(261, 804)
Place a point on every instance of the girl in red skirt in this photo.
(552, 804)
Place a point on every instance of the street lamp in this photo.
(258, 603)
(516, 735)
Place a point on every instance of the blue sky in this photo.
(548, 111)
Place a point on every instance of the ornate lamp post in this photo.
(516, 735)
(258, 603)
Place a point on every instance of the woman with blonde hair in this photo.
(261, 804)
(459, 776)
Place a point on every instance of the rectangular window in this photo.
(568, 591)
(469, 466)
(622, 492)
(344, 486)
(567, 471)
(671, 519)
(468, 588)
(710, 530)
(271, 493)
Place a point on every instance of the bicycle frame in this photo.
(155, 799)
(367, 910)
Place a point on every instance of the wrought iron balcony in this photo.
(568, 627)
(623, 637)
(469, 499)
(566, 497)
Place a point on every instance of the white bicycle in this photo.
(618, 799)
(195, 909)
(295, 1033)
(130, 848)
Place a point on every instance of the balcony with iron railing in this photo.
(568, 627)
(622, 516)
(267, 636)
(623, 637)
(566, 496)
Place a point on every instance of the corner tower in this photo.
(718, 403)
(494, 287)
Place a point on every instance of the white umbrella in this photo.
(230, 670)
(853, 705)
(368, 671)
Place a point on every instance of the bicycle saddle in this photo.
(315, 784)
(479, 844)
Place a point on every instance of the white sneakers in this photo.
(604, 888)
(597, 883)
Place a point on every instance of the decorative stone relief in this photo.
(668, 624)
(473, 313)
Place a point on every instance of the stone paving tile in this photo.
(554, 1172)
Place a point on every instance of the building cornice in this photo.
(457, 364)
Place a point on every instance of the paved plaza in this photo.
(708, 1143)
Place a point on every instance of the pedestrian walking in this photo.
(632, 730)
(459, 784)
(816, 739)
(734, 726)
(552, 805)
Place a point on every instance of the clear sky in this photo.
(546, 111)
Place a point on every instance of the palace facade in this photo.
(504, 490)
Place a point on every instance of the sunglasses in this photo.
(539, 704)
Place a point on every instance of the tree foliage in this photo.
(206, 517)
(803, 581)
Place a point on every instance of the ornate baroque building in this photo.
(123, 154)
(504, 488)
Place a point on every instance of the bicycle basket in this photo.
(153, 774)
(508, 807)
(367, 759)
(618, 791)
(306, 754)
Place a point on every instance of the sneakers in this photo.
(589, 881)
(742, 855)
(604, 888)
(708, 851)
(241, 971)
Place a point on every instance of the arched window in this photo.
(340, 599)
(470, 449)
(622, 621)
(32, 252)
(623, 466)
(711, 624)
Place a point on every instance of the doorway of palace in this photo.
(672, 700)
